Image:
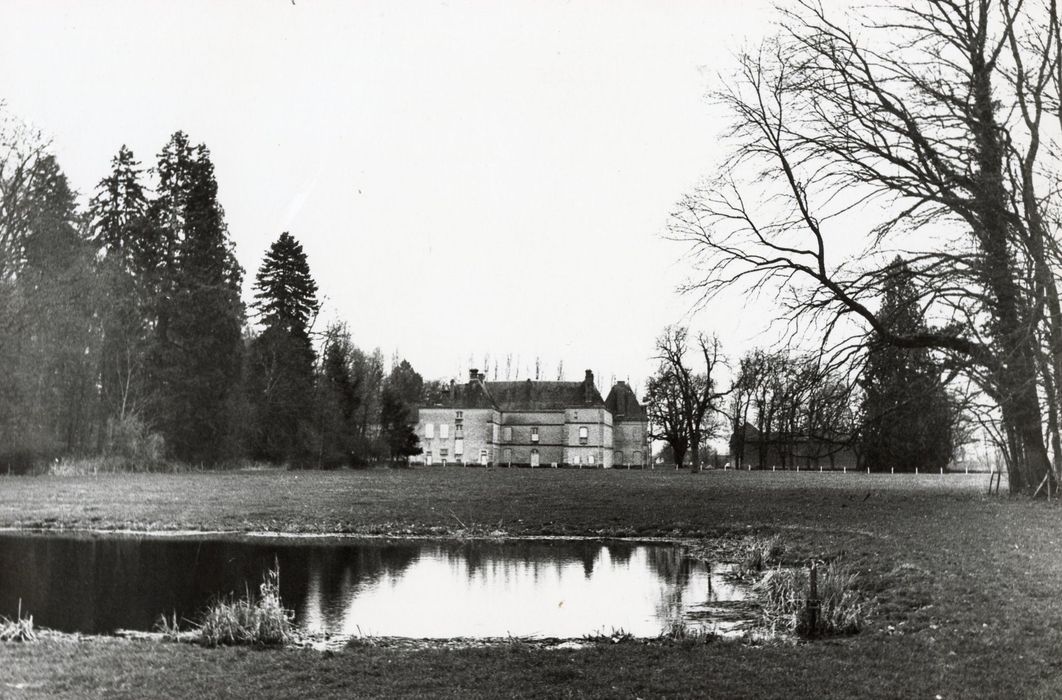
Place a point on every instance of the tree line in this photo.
(124, 334)
(930, 128)
(891, 408)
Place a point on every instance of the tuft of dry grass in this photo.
(18, 630)
(785, 593)
(259, 620)
(758, 553)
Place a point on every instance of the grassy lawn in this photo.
(968, 587)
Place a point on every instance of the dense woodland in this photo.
(125, 340)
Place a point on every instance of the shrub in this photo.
(130, 440)
(261, 620)
(785, 593)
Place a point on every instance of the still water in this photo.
(409, 589)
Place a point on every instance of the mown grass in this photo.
(967, 589)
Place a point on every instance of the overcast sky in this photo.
(466, 177)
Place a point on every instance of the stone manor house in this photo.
(535, 424)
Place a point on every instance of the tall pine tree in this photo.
(196, 346)
(121, 235)
(908, 420)
(282, 367)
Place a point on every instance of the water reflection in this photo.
(478, 589)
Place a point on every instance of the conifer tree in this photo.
(396, 427)
(198, 314)
(120, 233)
(338, 399)
(908, 419)
(282, 356)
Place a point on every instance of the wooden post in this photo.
(813, 600)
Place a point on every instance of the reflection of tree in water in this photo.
(98, 585)
(337, 573)
(675, 570)
(498, 558)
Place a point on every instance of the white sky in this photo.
(466, 177)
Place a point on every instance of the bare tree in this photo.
(898, 133)
(683, 401)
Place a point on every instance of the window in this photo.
(459, 431)
(427, 458)
(508, 433)
(444, 430)
(534, 434)
(584, 434)
(575, 459)
(575, 415)
(590, 458)
(459, 447)
(507, 455)
(483, 457)
(617, 458)
(458, 416)
(534, 458)
(443, 453)
(429, 431)
(637, 457)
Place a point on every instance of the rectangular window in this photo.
(459, 431)
(444, 430)
(443, 453)
(575, 459)
(534, 434)
(459, 415)
(590, 458)
(429, 430)
(508, 433)
(584, 435)
(459, 447)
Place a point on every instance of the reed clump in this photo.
(260, 620)
(785, 593)
(19, 629)
(757, 553)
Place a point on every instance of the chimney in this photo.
(588, 387)
(473, 375)
(453, 391)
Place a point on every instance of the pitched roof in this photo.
(543, 396)
(623, 404)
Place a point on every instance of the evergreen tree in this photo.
(406, 383)
(120, 233)
(196, 342)
(338, 399)
(283, 357)
(908, 420)
(396, 427)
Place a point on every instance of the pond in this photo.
(542, 588)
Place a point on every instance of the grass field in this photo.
(968, 587)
